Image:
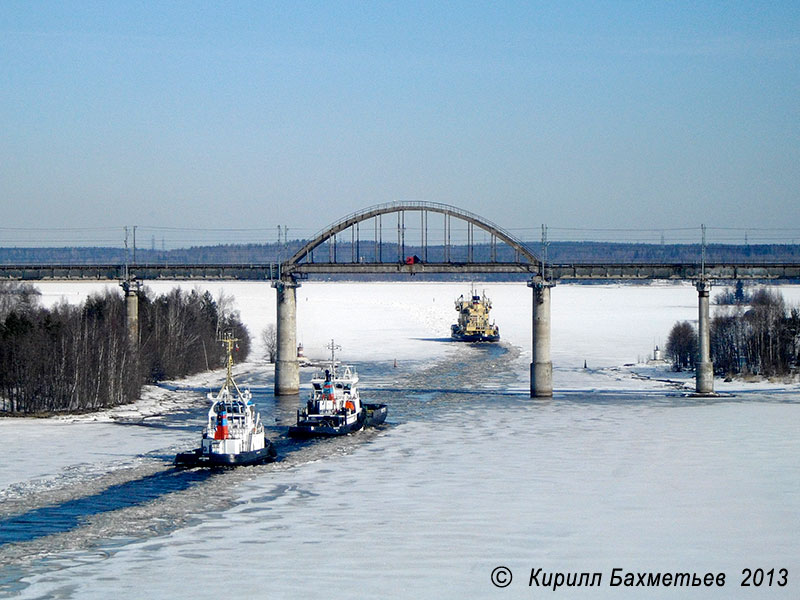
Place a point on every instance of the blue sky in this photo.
(253, 114)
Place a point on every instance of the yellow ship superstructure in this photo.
(473, 319)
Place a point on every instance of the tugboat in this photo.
(335, 406)
(234, 434)
(473, 320)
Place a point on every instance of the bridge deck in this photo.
(272, 271)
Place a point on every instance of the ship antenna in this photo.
(333, 347)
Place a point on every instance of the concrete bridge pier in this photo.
(131, 289)
(287, 368)
(704, 368)
(542, 365)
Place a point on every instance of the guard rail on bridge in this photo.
(244, 272)
(273, 271)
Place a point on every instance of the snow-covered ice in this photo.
(619, 469)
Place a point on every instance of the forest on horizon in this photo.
(365, 251)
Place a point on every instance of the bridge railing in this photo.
(152, 271)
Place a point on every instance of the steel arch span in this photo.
(304, 255)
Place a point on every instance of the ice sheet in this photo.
(619, 469)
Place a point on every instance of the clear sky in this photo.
(254, 114)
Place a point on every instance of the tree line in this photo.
(750, 333)
(557, 251)
(77, 358)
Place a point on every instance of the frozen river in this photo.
(617, 471)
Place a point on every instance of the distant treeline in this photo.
(367, 251)
(75, 358)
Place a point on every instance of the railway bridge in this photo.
(419, 238)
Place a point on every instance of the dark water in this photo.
(49, 520)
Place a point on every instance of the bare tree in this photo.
(768, 342)
(78, 357)
(270, 338)
(682, 345)
(763, 339)
(19, 296)
(225, 309)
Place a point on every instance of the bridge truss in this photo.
(430, 237)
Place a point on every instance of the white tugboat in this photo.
(335, 406)
(234, 434)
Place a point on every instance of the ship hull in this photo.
(474, 337)
(371, 415)
(196, 458)
(376, 414)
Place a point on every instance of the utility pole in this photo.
(545, 244)
(126, 251)
(703, 254)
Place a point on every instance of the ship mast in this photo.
(229, 342)
(333, 347)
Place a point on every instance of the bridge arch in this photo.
(304, 254)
